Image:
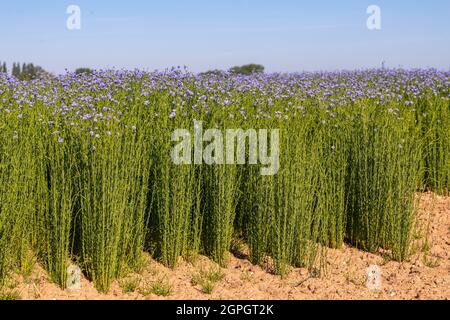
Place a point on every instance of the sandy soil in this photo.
(425, 276)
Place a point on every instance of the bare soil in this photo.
(425, 276)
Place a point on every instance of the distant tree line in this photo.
(30, 71)
(26, 71)
(247, 69)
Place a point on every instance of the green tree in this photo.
(83, 70)
(28, 71)
(248, 69)
(16, 70)
(3, 68)
(212, 72)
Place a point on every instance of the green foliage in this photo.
(248, 69)
(207, 279)
(211, 72)
(129, 285)
(161, 288)
(384, 168)
(83, 71)
(27, 72)
(9, 295)
(3, 68)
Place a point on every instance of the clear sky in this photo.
(283, 35)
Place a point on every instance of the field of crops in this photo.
(86, 175)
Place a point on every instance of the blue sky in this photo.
(283, 35)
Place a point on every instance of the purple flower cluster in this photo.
(100, 103)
